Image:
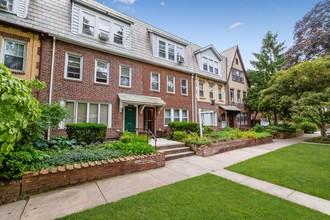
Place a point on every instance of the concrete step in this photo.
(178, 155)
(175, 150)
(170, 146)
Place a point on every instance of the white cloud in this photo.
(162, 3)
(235, 25)
(127, 2)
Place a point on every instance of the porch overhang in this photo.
(140, 100)
(229, 108)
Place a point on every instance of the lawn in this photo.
(302, 167)
(203, 197)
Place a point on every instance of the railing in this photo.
(152, 135)
(194, 135)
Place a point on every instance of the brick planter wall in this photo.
(286, 135)
(220, 147)
(52, 178)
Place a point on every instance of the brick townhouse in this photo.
(107, 67)
(237, 84)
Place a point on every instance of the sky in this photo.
(222, 23)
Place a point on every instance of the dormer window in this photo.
(118, 34)
(88, 24)
(7, 5)
(205, 64)
(104, 27)
(210, 65)
(170, 51)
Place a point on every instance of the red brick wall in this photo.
(86, 90)
(52, 178)
(208, 106)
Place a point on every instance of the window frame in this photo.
(232, 95)
(14, 8)
(3, 52)
(167, 85)
(211, 91)
(214, 116)
(158, 82)
(181, 86)
(95, 72)
(67, 54)
(129, 73)
(219, 93)
(113, 35)
(238, 96)
(177, 48)
(172, 115)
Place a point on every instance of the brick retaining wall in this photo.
(220, 147)
(286, 135)
(52, 178)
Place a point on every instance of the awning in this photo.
(132, 99)
(230, 108)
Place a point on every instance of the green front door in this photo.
(130, 119)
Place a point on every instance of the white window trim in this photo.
(172, 114)
(214, 115)
(199, 93)
(220, 89)
(211, 86)
(130, 76)
(168, 84)
(214, 65)
(4, 49)
(95, 72)
(66, 66)
(75, 110)
(97, 29)
(176, 45)
(151, 89)
(187, 87)
(233, 95)
(14, 11)
(238, 95)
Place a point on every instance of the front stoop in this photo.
(175, 151)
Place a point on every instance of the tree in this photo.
(18, 108)
(270, 60)
(311, 35)
(304, 88)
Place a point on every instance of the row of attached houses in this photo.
(107, 67)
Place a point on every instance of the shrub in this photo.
(309, 128)
(236, 134)
(135, 148)
(16, 163)
(87, 132)
(60, 143)
(227, 128)
(221, 136)
(320, 140)
(179, 136)
(207, 130)
(261, 135)
(184, 126)
(249, 134)
(258, 128)
(199, 141)
(128, 137)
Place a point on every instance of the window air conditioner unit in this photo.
(180, 59)
(212, 102)
(103, 36)
(4, 4)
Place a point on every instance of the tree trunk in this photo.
(275, 116)
(323, 132)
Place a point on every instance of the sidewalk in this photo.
(65, 201)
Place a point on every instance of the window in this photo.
(239, 118)
(219, 92)
(171, 115)
(245, 118)
(231, 95)
(10, 5)
(170, 84)
(73, 66)
(211, 91)
(101, 72)
(162, 49)
(88, 24)
(81, 112)
(236, 60)
(237, 75)
(118, 34)
(104, 26)
(205, 68)
(14, 55)
(209, 118)
(244, 95)
(184, 87)
(169, 50)
(238, 96)
(125, 76)
(216, 67)
(211, 66)
(242, 118)
(201, 90)
(154, 81)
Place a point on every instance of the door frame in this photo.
(136, 117)
(155, 118)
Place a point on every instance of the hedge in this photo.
(87, 132)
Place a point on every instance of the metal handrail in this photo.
(152, 134)
(193, 134)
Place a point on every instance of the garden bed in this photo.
(286, 135)
(56, 177)
(220, 147)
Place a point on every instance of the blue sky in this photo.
(223, 23)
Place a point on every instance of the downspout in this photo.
(51, 80)
(192, 99)
(41, 37)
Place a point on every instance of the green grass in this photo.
(302, 167)
(203, 197)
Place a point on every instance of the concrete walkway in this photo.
(74, 199)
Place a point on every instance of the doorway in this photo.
(130, 119)
(149, 119)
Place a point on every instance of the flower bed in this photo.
(56, 177)
(220, 147)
